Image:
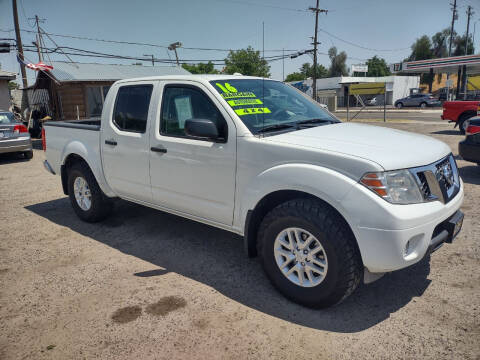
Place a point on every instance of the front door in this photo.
(191, 176)
(125, 141)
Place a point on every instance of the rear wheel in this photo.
(309, 253)
(28, 154)
(87, 199)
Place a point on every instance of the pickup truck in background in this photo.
(459, 112)
(324, 204)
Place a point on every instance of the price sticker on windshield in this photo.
(244, 102)
(252, 111)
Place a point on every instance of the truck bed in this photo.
(76, 136)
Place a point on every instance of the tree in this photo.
(422, 50)
(338, 65)
(201, 68)
(246, 62)
(295, 76)
(308, 70)
(377, 67)
(459, 43)
(440, 42)
(12, 85)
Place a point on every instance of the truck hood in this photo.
(391, 149)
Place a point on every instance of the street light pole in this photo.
(174, 47)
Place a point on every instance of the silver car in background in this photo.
(418, 100)
(14, 136)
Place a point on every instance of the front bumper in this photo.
(19, 144)
(383, 241)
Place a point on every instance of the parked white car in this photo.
(323, 203)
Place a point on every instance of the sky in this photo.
(385, 28)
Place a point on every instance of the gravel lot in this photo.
(148, 285)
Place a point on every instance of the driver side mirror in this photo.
(202, 129)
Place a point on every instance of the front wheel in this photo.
(309, 253)
(423, 105)
(87, 199)
(399, 105)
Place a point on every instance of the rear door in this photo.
(192, 176)
(125, 140)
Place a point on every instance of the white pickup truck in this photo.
(325, 204)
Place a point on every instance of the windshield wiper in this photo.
(314, 121)
(276, 127)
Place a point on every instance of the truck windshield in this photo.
(268, 105)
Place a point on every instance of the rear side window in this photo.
(131, 107)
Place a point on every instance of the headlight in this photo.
(397, 187)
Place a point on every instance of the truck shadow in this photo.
(215, 258)
(470, 174)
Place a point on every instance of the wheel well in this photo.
(69, 161)
(465, 115)
(270, 201)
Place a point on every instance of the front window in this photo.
(265, 105)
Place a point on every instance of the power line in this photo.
(360, 46)
(138, 43)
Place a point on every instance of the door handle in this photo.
(111, 142)
(159, 149)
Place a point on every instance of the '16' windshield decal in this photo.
(230, 92)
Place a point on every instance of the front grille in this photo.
(424, 188)
(443, 167)
(438, 181)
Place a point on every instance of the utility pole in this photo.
(19, 43)
(283, 64)
(316, 10)
(464, 77)
(153, 59)
(174, 47)
(454, 14)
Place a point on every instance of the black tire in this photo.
(423, 105)
(101, 205)
(345, 266)
(399, 105)
(461, 121)
(28, 154)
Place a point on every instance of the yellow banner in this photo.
(245, 94)
(367, 89)
(244, 102)
(251, 111)
(473, 83)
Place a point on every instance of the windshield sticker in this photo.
(246, 94)
(244, 102)
(250, 111)
(227, 88)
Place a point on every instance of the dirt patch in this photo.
(127, 314)
(202, 324)
(166, 305)
(3, 271)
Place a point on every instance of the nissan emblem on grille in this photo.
(445, 172)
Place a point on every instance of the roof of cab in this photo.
(195, 77)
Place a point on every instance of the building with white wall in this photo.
(397, 86)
